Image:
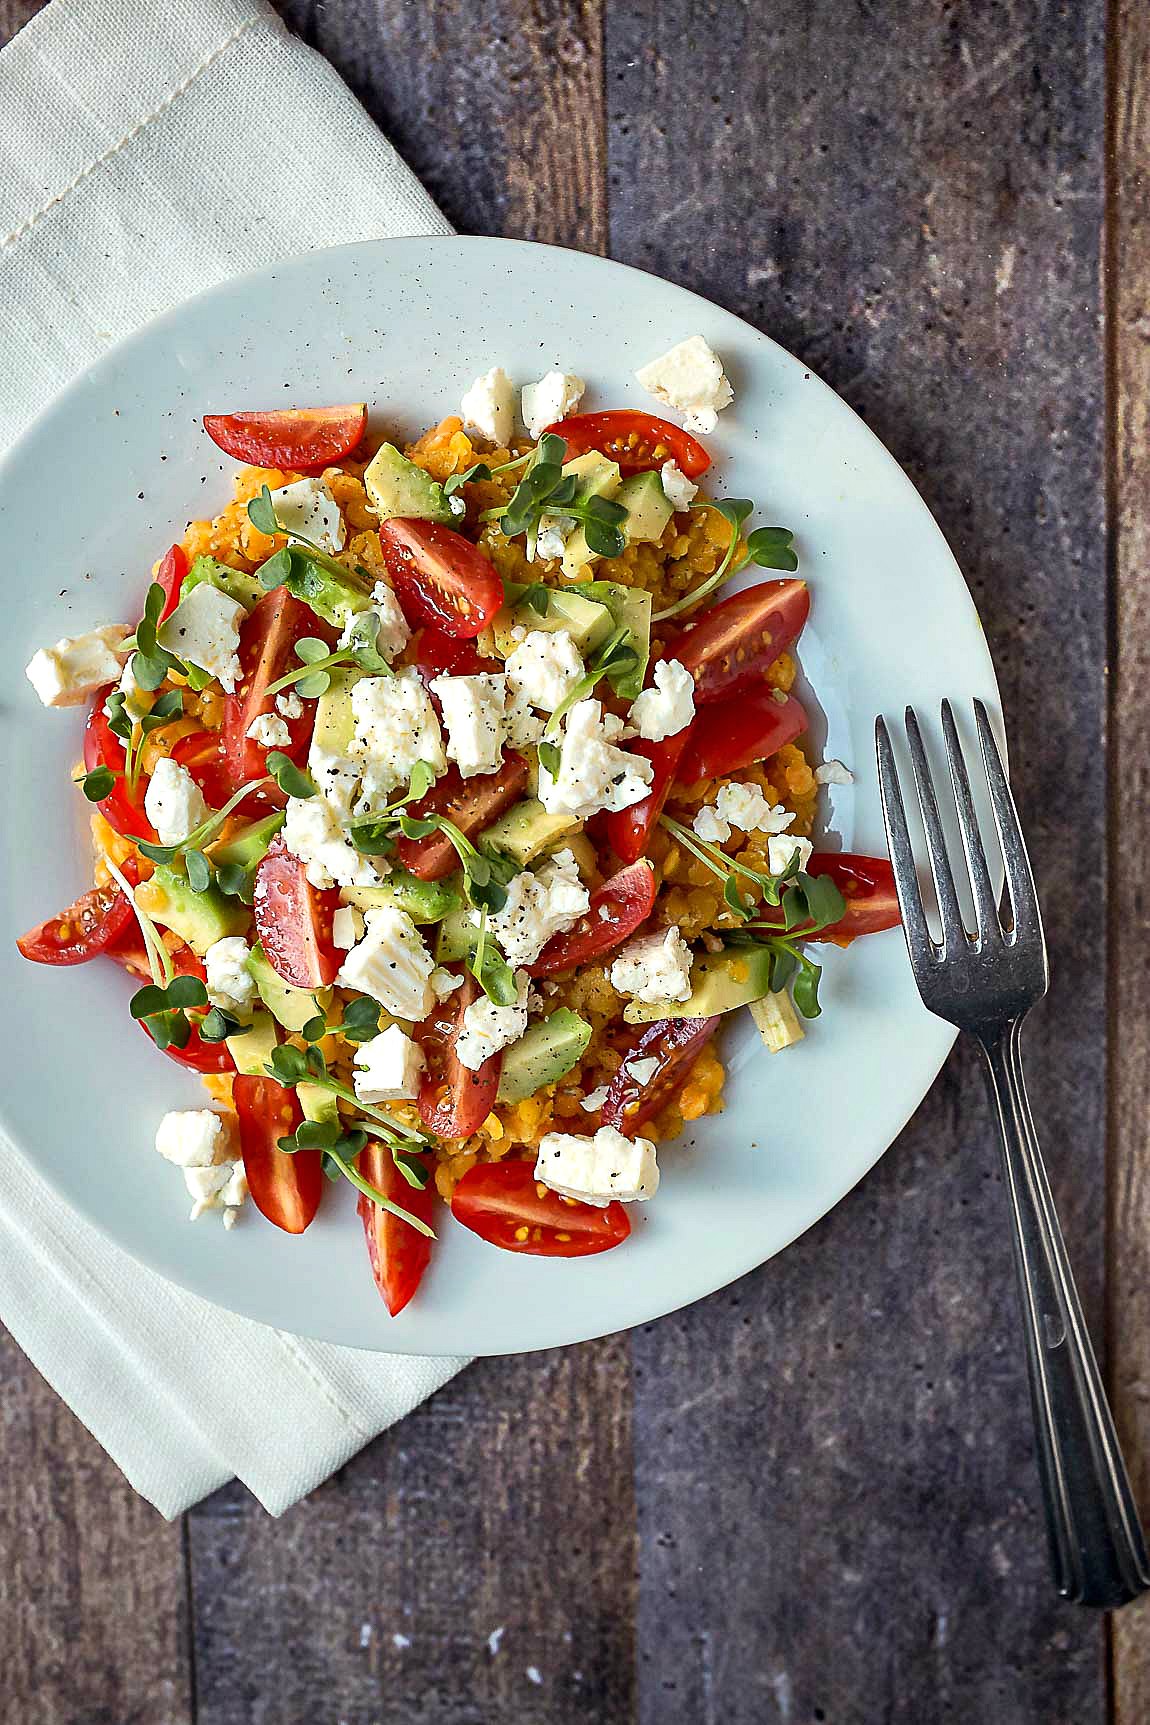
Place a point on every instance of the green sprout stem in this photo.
(727, 568)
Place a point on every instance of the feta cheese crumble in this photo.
(539, 905)
(204, 630)
(308, 508)
(391, 964)
(473, 711)
(388, 1068)
(543, 667)
(689, 377)
(642, 1071)
(444, 983)
(313, 828)
(677, 488)
(654, 967)
(489, 406)
(289, 704)
(833, 773)
(487, 1029)
(780, 851)
(202, 1143)
(78, 665)
(594, 1099)
(173, 801)
(229, 981)
(552, 398)
(269, 732)
(593, 773)
(346, 927)
(668, 706)
(599, 1169)
(395, 726)
(393, 633)
(744, 806)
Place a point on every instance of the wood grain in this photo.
(14, 14)
(839, 1513)
(1128, 259)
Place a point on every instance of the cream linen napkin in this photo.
(144, 154)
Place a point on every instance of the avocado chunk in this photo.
(598, 477)
(253, 1048)
(250, 844)
(648, 508)
(527, 830)
(336, 597)
(423, 900)
(455, 936)
(630, 609)
(247, 589)
(543, 1054)
(720, 981)
(291, 1007)
(334, 720)
(200, 918)
(397, 486)
(318, 1104)
(585, 622)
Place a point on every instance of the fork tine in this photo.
(986, 909)
(918, 936)
(953, 928)
(1019, 877)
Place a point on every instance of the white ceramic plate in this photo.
(106, 480)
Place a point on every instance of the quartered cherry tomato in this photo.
(197, 1054)
(123, 807)
(129, 952)
(399, 1253)
(733, 643)
(99, 919)
(267, 652)
(867, 885)
(293, 437)
(440, 655)
(614, 913)
(637, 441)
(285, 1187)
(504, 1204)
(676, 1044)
(294, 920)
(453, 1101)
(730, 735)
(470, 804)
(202, 753)
(440, 577)
(628, 831)
(169, 575)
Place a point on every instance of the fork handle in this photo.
(1096, 1541)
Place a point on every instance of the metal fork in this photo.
(986, 983)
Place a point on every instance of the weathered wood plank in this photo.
(93, 1622)
(14, 14)
(1129, 307)
(839, 1514)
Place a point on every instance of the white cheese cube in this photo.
(78, 665)
(654, 967)
(689, 377)
(173, 801)
(543, 668)
(552, 398)
(196, 1137)
(313, 832)
(599, 1169)
(744, 806)
(307, 507)
(269, 732)
(391, 964)
(539, 905)
(346, 927)
(473, 711)
(668, 706)
(388, 1068)
(833, 773)
(593, 773)
(204, 630)
(677, 488)
(394, 633)
(289, 704)
(222, 1187)
(525, 727)
(487, 1029)
(780, 851)
(335, 778)
(489, 406)
(229, 981)
(395, 726)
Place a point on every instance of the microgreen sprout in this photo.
(616, 658)
(150, 662)
(481, 470)
(546, 490)
(769, 547)
(312, 678)
(164, 1010)
(159, 961)
(280, 768)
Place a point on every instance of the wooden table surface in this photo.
(813, 1496)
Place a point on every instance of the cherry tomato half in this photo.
(202, 753)
(453, 1101)
(286, 1188)
(293, 920)
(100, 918)
(628, 831)
(637, 441)
(172, 568)
(614, 913)
(440, 655)
(867, 885)
(504, 1204)
(267, 652)
(123, 807)
(129, 952)
(730, 735)
(676, 1044)
(440, 577)
(197, 1054)
(399, 1253)
(470, 804)
(732, 644)
(293, 437)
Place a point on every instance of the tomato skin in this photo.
(729, 735)
(735, 642)
(286, 1188)
(499, 1200)
(293, 920)
(471, 804)
(202, 753)
(628, 831)
(122, 808)
(196, 1054)
(637, 441)
(676, 1044)
(169, 575)
(97, 920)
(866, 883)
(454, 1101)
(292, 438)
(628, 897)
(399, 1254)
(129, 953)
(440, 577)
(267, 652)
(440, 655)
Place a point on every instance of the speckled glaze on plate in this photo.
(103, 483)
